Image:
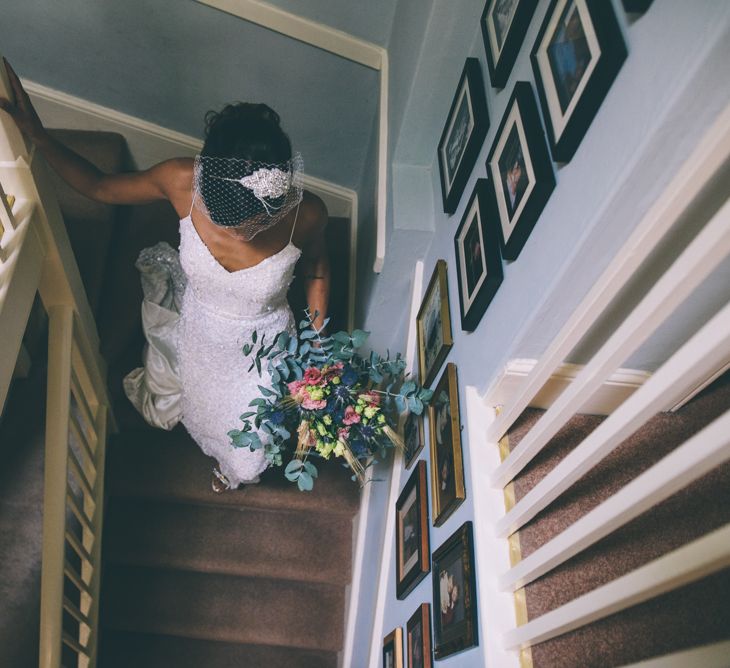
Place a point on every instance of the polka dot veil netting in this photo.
(247, 195)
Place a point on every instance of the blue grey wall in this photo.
(170, 61)
(672, 86)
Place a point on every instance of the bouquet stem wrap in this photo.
(304, 440)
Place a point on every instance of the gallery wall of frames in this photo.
(579, 49)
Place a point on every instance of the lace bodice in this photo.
(247, 293)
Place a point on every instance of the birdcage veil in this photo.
(248, 195)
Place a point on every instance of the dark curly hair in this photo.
(246, 130)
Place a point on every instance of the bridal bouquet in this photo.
(330, 396)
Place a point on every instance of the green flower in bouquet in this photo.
(338, 402)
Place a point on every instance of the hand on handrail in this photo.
(21, 111)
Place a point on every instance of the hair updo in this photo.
(246, 130)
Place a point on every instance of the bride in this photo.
(244, 223)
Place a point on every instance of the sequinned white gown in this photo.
(196, 316)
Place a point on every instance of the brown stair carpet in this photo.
(691, 616)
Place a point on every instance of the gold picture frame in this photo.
(447, 466)
(393, 649)
(433, 326)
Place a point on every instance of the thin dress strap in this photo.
(192, 204)
(296, 215)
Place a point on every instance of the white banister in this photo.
(705, 162)
(694, 264)
(689, 563)
(693, 459)
(60, 336)
(696, 359)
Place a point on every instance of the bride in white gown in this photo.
(244, 222)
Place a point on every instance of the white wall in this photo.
(672, 85)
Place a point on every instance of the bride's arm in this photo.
(316, 263)
(133, 188)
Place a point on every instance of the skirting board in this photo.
(150, 143)
(620, 385)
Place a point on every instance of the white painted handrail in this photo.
(706, 161)
(695, 263)
(682, 566)
(695, 360)
(697, 456)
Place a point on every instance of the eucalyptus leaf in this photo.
(305, 482)
(293, 465)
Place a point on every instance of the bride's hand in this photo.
(21, 111)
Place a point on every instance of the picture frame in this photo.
(504, 24)
(412, 546)
(418, 638)
(576, 57)
(433, 325)
(478, 257)
(393, 649)
(414, 437)
(520, 170)
(463, 134)
(447, 466)
(455, 618)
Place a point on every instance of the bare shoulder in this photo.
(176, 173)
(312, 218)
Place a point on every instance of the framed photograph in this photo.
(576, 57)
(433, 326)
(521, 170)
(413, 437)
(393, 649)
(418, 638)
(504, 24)
(412, 547)
(455, 595)
(447, 468)
(463, 135)
(478, 256)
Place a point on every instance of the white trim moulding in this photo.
(618, 387)
(707, 656)
(343, 45)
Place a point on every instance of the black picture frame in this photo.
(455, 615)
(463, 134)
(504, 24)
(478, 257)
(520, 170)
(576, 57)
(412, 546)
(419, 646)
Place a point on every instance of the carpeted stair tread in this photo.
(234, 541)
(231, 609)
(169, 465)
(121, 650)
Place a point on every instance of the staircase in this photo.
(254, 577)
(693, 615)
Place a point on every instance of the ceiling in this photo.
(170, 61)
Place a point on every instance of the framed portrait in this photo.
(413, 437)
(412, 547)
(521, 170)
(393, 649)
(433, 326)
(478, 255)
(447, 468)
(418, 638)
(504, 24)
(463, 135)
(454, 594)
(576, 57)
